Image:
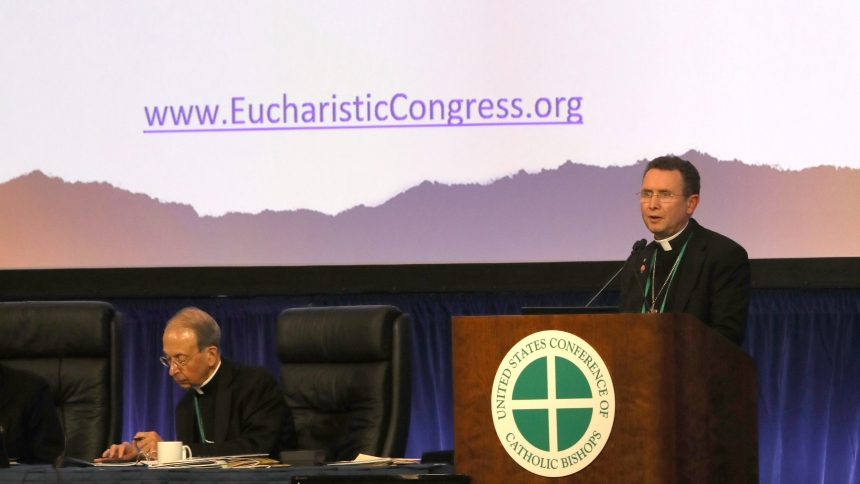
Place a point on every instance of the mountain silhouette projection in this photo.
(573, 212)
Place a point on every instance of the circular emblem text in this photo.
(553, 403)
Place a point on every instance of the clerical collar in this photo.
(665, 242)
(199, 389)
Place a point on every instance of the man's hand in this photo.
(124, 451)
(144, 442)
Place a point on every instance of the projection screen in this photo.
(148, 133)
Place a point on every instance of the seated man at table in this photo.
(32, 431)
(230, 409)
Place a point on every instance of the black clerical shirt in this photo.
(665, 261)
(206, 403)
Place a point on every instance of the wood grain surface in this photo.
(685, 399)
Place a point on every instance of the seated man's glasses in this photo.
(168, 362)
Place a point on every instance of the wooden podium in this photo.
(685, 406)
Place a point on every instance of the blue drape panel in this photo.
(806, 345)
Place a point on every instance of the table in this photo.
(142, 475)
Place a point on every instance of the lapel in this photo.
(689, 268)
(184, 423)
(222, 401)
(643, 258)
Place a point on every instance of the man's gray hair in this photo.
(201, 324)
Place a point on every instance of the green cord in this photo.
(199, 420)
(671, 277)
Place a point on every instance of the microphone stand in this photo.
(607, 283)
(639, 245)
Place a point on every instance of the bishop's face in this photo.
(666, 218)
(188, 365)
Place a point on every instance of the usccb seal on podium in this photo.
(553, 403)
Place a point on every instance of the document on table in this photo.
(369, 460)
(220, 462)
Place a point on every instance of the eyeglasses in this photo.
(144, 456)
(168, 362)
(141, 455)
(663, 195)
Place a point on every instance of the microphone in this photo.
(639, 245)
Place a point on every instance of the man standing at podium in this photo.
(687, 268)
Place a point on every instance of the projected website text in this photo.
(361, 112)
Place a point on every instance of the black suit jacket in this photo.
(32, 428)
(251, 415)
(712, 282)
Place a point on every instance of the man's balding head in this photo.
(191, 342)
(198, 322)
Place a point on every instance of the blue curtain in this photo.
(806, 346)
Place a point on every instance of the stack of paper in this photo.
(200, 463)
(369, 460)
(221, 462)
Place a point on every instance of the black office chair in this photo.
(76, 347)
(346, 376)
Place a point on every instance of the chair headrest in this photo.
(343, 334)
(55, 329)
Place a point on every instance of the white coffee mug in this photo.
(172, 451)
